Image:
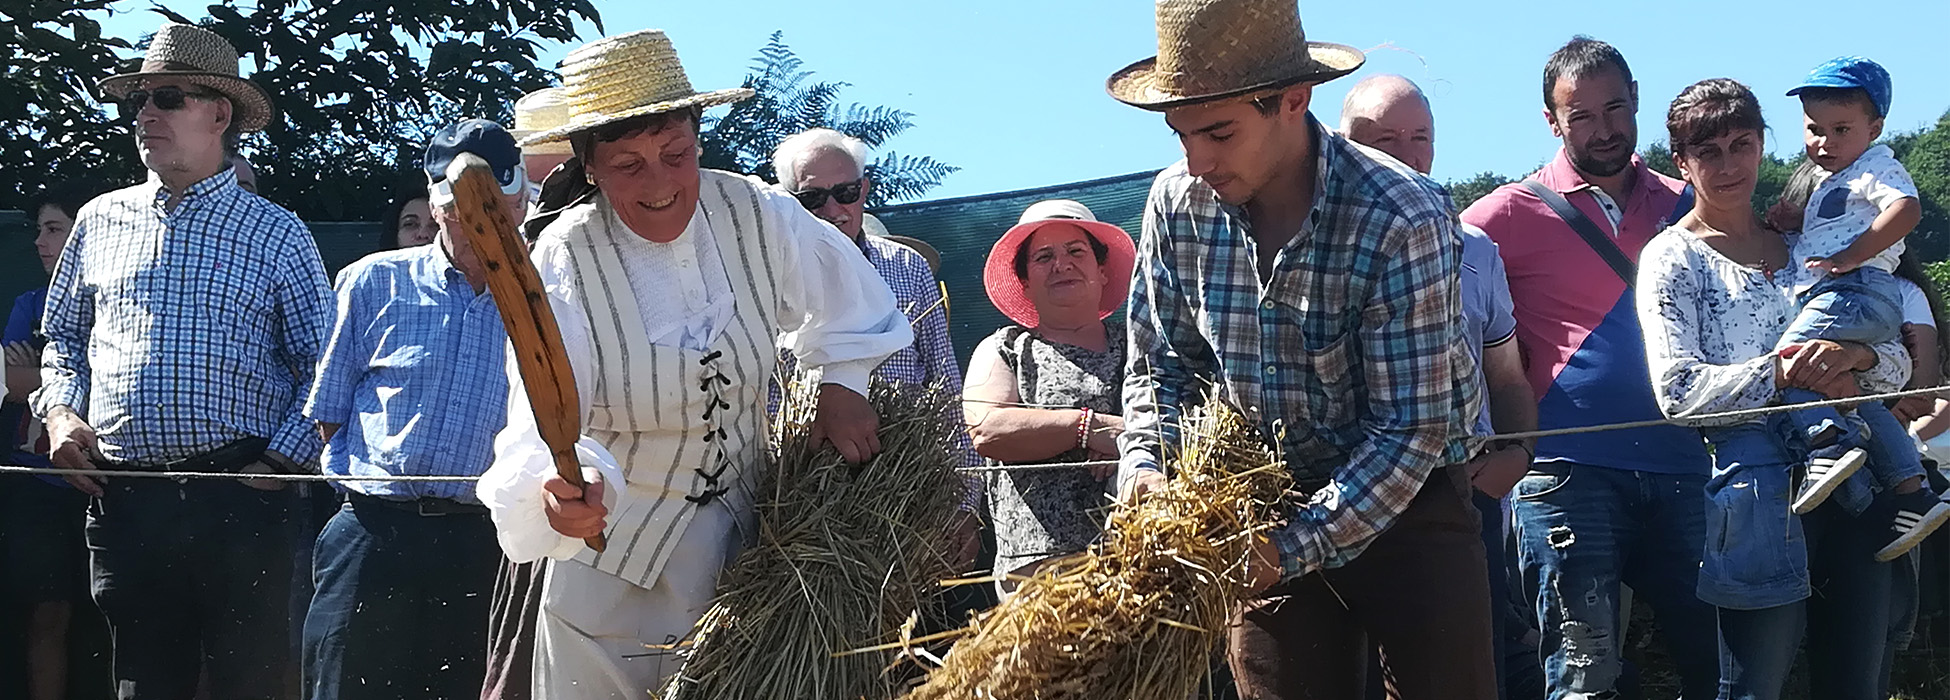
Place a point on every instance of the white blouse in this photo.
(1711, 326)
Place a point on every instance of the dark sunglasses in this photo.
(845, 193)
(169, 98)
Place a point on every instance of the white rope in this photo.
(57, 471)
(1702, 420)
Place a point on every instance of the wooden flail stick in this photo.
(525, 312)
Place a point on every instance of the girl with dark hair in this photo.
(1715, 298)
(410, 221)
(47, 570)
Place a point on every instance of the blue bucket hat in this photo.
(482, 138)
(1851, 72)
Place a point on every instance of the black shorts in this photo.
(45, 553)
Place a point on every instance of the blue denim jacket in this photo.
(1755, 556)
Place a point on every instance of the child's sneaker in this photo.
(1823, 476)
(1918, 513)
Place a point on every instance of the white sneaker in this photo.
(1912, 526)
(1824, 475)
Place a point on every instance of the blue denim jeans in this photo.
(402, 605)
(1756, 554)
(1905, 597)
(1582, 531)
(1774, 574)
(1862, 306)
(1846, 621)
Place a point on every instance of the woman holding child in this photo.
(1715, 296)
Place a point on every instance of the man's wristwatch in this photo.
(1506, 443)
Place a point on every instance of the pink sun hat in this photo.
(1006, 290)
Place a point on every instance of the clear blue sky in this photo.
(1012, 90)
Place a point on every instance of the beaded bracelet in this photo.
(1083, 428)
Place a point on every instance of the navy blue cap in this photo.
(479, 137)
(1851, 72)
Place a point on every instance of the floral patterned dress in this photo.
(1044, 513)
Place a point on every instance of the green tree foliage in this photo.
(362, 84)
(1466, 192)
(743, 139)
(1926, 154)
(1939, 273)
(51, 128)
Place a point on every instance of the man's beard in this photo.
(1600, 167)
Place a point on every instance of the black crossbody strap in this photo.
(1587, 230)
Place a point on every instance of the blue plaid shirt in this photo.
(1352, 354)
(415, 376)
(174, 332)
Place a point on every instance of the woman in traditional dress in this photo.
(674, 287)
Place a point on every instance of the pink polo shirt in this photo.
(1577, 328)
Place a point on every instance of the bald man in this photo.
(1390, 114)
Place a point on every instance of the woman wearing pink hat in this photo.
(1049, 388)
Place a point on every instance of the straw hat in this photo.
(1007, 291)
(539, 111)
(198, 56)
(630, 75)
(1214, 49)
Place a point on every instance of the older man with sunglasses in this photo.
(827, 172)
(183, 324)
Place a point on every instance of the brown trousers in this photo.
(1420, 592)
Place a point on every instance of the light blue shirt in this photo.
(1489, 316)
(414, 375)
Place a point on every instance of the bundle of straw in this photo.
(845, 554)
(1141, 613)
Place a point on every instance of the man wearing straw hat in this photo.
(183, 324)
(1313, 281)
(535, 113)
(673, 287)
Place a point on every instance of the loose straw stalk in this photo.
(845, 554)
(1140, 615)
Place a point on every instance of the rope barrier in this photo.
(57, 471)
(1702, 420)
(1708, 419)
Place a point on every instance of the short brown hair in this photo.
(582, 142)
(1581, 56)
(1842, 95)
(1710, 109)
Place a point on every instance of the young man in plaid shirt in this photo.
(1314, 282)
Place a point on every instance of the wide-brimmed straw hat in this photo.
(198, 56)
(629, 75)
(1216, 49)
(1007, 291)
(539, 111)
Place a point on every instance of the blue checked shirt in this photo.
(174, 332)
(415, 376)
(1352, 355)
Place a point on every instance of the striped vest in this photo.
(688, 427)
